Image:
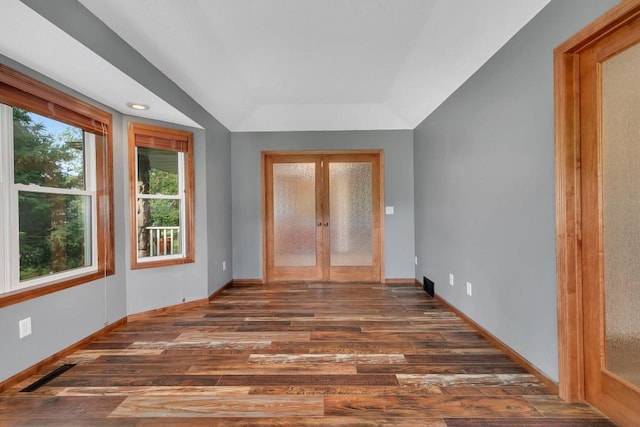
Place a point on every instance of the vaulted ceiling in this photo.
(267, 65)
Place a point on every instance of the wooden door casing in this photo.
(323, 271)
(579, 213)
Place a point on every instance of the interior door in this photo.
(352, 213)
(323, 216)
(610, 175)
(294, 217)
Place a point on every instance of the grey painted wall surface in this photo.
(63, 318)
(151, 288)
(484, 188)
(66, 317)
(81, 24)
(218, 183)
(246, 191)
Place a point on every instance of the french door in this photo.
(598, 155)
(322, 216)
(610, 73)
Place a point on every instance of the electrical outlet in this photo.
(25, 327)
(415, 259)
(468, 288)
(224, 265)
(451, 279)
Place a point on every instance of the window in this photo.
(55, 189)
(161, 188)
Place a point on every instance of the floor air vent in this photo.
(428, 286)
(42, 381)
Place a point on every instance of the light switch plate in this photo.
(388, 210)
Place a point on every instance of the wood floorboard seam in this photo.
(356, 354)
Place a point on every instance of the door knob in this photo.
(326, 224)
(319, 224)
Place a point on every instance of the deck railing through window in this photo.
(164, 240)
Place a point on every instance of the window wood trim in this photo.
(19, 90)
(150, 136)
(22, 91)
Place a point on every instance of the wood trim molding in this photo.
(19, 90)
(248, 282)
(323, 271)
(217, 293)
(168, 309)
(21, 295)
(321, 152)
(568, 202)
(32, 370)
(400, 281)
(263, 213)
(167, 139)
(568, 194)
(31, 94)
(181, 306)
(615, 18)
(382, 215)
(514, 355)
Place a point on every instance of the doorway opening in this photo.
(322, 216)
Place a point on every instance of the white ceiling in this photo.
(279, 65)
(52, 52)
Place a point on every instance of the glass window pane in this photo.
(54, 233)
(157, 171)
(47, 152)
(350, 203)
(621, 203)
(294, 214)
(158, 227)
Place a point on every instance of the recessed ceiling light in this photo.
(137, 106)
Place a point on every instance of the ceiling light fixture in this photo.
(137, 106)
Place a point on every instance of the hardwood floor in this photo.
(295, 354)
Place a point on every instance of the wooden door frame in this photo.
(263, 164)
(568, 194)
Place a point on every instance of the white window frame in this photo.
(180, 197)
(6, 159)
(10, 216)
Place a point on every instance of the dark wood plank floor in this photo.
(296, 354)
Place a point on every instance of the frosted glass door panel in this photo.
(294, 214)
(621, 207)
(350, 206)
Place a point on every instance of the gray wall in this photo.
(151, 288)
(218, 204)
(66, 317)
(77, 21)
(63, 318)
(246, 191)
(484, 197)
(484, 188)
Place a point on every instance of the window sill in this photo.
(26, 294)
(135, 265)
